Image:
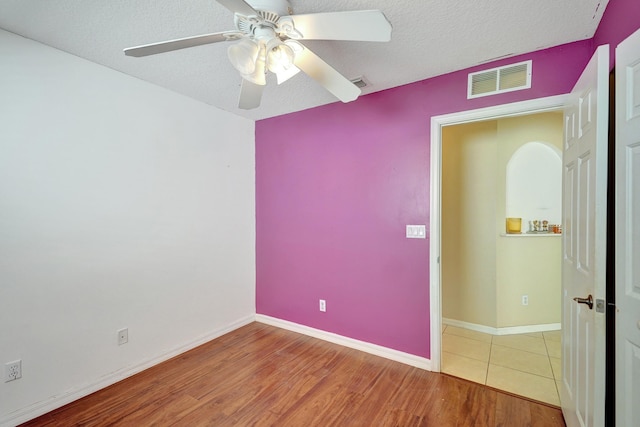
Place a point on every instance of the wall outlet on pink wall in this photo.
(323, 305)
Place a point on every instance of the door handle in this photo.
(588, 300)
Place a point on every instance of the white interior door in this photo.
(584, 245)
(628, 231)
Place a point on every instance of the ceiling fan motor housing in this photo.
(269, 11)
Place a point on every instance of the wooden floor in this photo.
(264, 376)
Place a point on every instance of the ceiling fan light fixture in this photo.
(280, 56)
(244, 55)
(258, 75)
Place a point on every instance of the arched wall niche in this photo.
(534, 184)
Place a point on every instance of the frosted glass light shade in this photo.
(243, 56)
(258, 75)
(279, 57)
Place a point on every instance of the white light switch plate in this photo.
(416, 231)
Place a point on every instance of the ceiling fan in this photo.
(268, 38)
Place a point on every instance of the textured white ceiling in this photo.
(430, 38)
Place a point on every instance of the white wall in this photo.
(534, 183)
(121, 205)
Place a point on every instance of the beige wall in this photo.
(485, 274)
(526, 265)
(468, 217)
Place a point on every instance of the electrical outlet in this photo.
(525, 299)
(323, 305)
(12, 371)
(123, 336)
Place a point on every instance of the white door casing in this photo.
(539, 105)
(627, 245)
(584, 200)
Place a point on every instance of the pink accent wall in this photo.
(335, 187)
(620, 20)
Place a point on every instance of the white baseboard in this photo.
(503, 331)
(377, 350)
(25, 414)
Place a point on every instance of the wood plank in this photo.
(512, 411)
(262, 375)
(477, 406)
(543, 415)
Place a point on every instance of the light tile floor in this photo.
(525, 364)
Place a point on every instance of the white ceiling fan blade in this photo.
(361, 25)
(169, 45)
(253, 84)
(250, 95)
(325, 74)
(240, 7)
(284, 75)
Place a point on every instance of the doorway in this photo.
(500, 291)
(490, 324)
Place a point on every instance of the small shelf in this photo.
(530, 234)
